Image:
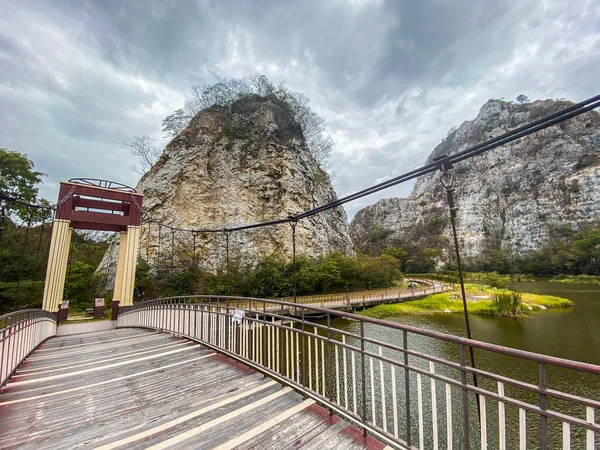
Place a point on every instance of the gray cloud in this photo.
(390, 77)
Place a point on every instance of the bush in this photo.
(508, 303)
(562, 278)
(273, 276)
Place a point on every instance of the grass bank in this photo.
(576, 279)
(479, 301)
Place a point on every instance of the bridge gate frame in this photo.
(92, 204)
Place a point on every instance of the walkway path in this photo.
(66, 328)
(362, 299)
(138, 389)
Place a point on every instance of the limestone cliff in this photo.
(508, 198)
(234, 166)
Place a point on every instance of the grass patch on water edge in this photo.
(479, 301)
(576, 279)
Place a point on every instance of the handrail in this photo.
(357, 375)
(20, 333)
(559, 362)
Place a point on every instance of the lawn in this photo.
(477, 303)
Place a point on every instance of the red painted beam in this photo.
(97, 226)
(100, 218)
(69, 198)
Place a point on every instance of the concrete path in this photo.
(65, 329)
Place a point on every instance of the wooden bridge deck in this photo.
(139, 389)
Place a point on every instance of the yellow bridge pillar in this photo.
(126, 265)
(56, 270)
(119, 274)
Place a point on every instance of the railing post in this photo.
(264, 335)
(406, 385)
(171, 315)
(303, 373)
(465, 397)
(227, 326)
(250, 342)
(281, 357)
(329, 383)
(543, 406)
(201, 322)
(363, 376)
(189, 309)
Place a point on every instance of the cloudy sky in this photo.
(77, 78)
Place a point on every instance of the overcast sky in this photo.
(390, 78)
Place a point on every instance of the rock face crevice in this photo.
(233, 166)
(509, 198)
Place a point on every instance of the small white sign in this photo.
(98, 302)
(65, 304)
(238, 315)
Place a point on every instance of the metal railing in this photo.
(360, 298)
(407, 386)
(20, 333)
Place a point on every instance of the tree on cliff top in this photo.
(146, 150)
(229, 90)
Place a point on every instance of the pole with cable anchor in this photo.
(227, 261)
(447, 179)
(293, 224)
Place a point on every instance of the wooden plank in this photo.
(289, 430)
(264, 426)
(144, 390)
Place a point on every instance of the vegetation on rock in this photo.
(228, 93)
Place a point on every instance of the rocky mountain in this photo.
(233, 166)
(509, 198)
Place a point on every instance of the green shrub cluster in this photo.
(23, 261)
(563, 278)
(508, 303)
(272, 277)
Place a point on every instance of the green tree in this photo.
(399, 254)
(144, 285)
(18, 179)
(270, 278)
(308, 275)
(182, 283)
(331, 274)
(82, 285)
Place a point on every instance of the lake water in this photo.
(572, 333)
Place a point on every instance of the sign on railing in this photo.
(407, 386)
